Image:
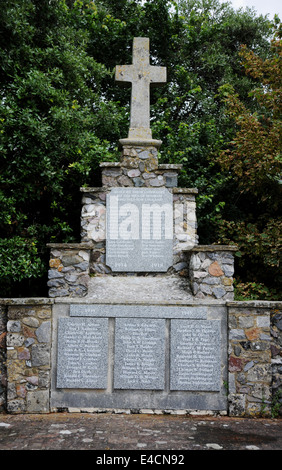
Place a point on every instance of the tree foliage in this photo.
(254, 160)
(62, 112)
(255, 156)
(48, 142)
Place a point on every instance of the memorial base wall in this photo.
(34, 355)
(162, 357)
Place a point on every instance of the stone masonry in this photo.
(68, 273)
(211, 270)
(28, 343)
(208, 268)
(276, 358)
(138, 167)
(3, 357)
(255, 359)
(93, 223)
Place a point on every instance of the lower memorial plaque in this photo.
(139, 354)
(195, 355)
(82, 353)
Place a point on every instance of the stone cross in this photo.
(141, 75)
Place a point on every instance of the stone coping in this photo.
(255, 303)
(161, 166)
(165, 303)
(170, 166)
(128, 142)
(107, 189)
(109, 164)
(214, 248)
(92, 189)
(184, 190)
(72, 300)
(72, 246)
(27, 301)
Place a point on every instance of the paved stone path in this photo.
(122, 432)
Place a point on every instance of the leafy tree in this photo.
(51, 118)
(62, 112)
(255, 155)
(198, 41)
(254, 161)
(192, 123)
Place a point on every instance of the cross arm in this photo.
(123, 74)
(157, 75)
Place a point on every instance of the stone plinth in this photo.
(211, 269)
(93, 222)
(251, 349)
(142, 157)
(69, 269)
(139, 173)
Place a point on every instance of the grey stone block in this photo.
(82, 353)
(139, 354)
(40, 354)
(43, 333)
(14, 326)
(138, 311)
(37, 401)
(195, 355)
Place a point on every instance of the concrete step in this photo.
(138, 289)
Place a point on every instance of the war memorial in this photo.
(140, 316)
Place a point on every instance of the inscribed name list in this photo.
(139, 354)
(195, 355)
(139, 230)
(82, 353)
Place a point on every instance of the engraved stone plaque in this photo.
(195, 355)
(82, 353)
(151, 311)
(139, 354)
(139, 229)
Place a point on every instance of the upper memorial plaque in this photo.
(139, 230)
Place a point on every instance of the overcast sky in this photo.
(263, 7)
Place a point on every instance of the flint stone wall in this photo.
(68, 274)
(211, 269)
(3, 357)
(255, 358)
(26, 372)
(138, 167)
